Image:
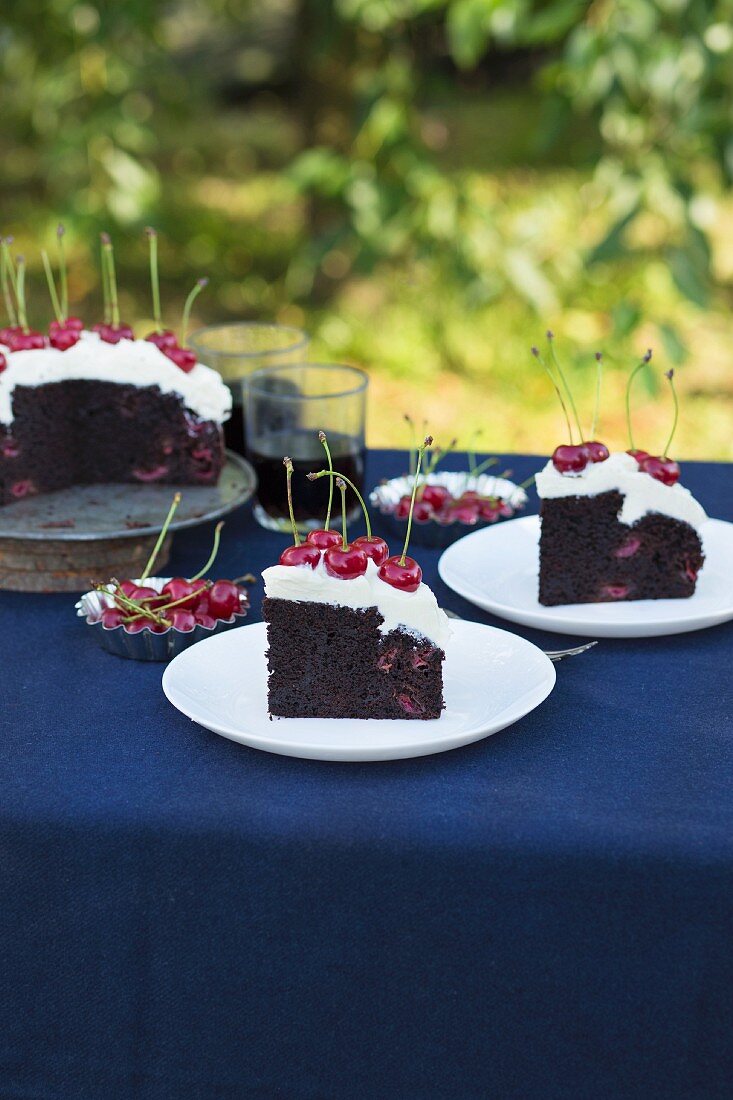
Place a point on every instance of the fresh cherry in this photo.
(63, 339)
(178, 588)
(466, 513)
(182, 357)
(422, 512)
(181, 619)
(204, 619)
(570, 458)
(7, 333)
(74, 323)
(127, 588)
(435, 495)
(144, 592)
(224, 599)
(112, 334)
(597, 452)
(323, 539)
(305, 554)
(406, 577)
(26, 341)
(346, 564)
(137, 624)
(640, 456)
(112, 617)
(376, 549)
(402, 508)
(661, 469)
(489, 510)
(165, 339)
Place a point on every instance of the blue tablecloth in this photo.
(544, 914)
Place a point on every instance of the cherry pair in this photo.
(659, 467)
(574, 457)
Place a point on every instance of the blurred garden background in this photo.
(424, 185)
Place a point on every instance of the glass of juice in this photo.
(240, 347)
(285, 408)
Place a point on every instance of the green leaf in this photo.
(688, 278)
(612, 246)
(625, 317)
(674, 347)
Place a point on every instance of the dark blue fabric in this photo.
(544, 914)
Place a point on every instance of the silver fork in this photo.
(553, 654)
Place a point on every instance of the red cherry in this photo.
(345, 564)
(638, 455)
(74, 323)
(224, 599)
(402, 508)
(182, 357)
(490, 510)
(64, 339)
(406, 577)
(149, 595)
(422, 512)
(7, 333)
(661, 469)
(505, 509)
(26, 341)
(3, 363)
(376, 549)
(178, 588)
(204, 619)
(323, 539)
(470, 496)
(597, 452)
(112, 334)
(305, 554)
(181, 619)
(202, 604)
(163, 340)
(112, 617)
(136, 625)
(158, 628)
(466, 513)
(435, 495)
(570, 458)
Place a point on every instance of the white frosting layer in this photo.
(642, 493)
(136, 362)
(417, 612)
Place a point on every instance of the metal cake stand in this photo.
(59, 542)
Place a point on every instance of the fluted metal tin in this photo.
(433, 532)
(145, 646)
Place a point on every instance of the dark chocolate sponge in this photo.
(588, 556)
(333, 662)
(81, 432)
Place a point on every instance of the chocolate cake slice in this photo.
(612, 532)
(107, 413)
(351, 648)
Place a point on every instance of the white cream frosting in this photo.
(136, 362)
(642, 493)
(416, 612)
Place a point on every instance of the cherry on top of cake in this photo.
(65, 331)
(573, 458)
(346, 560)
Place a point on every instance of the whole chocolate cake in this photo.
(613, 532)
(107, 412)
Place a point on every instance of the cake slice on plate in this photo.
(352, 632)
(614, 526)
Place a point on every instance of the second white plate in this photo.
(498, 568)
(491, 679)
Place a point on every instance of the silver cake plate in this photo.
(57, 542)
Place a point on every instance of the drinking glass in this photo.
(285, 408)
(240, 347)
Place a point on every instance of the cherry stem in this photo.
(527, 482)
(483, 466)
(7, 277)
(20, 293)
(599, 379)
(471, 452)
(182, 599)
(642, 363)
(164, 531)
(420, 452)
(288, 464)
(551, 376)
(212, 555)
(327, 449)
(52, 287)
(105, 283)
(111, 279)
(335, 474)
(342, 488)
(669, 375)
(563, 379)
(60, 231)
(154, 282)
(413, 446)
(131, 605)
(193, 295)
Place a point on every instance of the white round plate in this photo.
(498, 569)
(491, 679)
